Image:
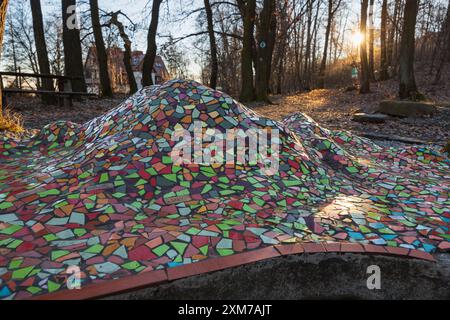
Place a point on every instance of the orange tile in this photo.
(286, 249)
(421, 255)
(313, 247)
(371, 248)
(332, 246)
(351, 247)
(397, 251)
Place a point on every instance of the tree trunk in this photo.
(307, 57)
(313, 63)
(391, 35)
(271, 44)
(281, 46)
(281, 71)
(408, 88)
(391, 57)
(323, 64)
(383, 38)
(73, 59)
(3, 9)
(102, 57)
(371, 39)
(248, 12)
(41, 50)
(127, 54)
(14, 54)
(212, 45)
(365, 76)
(149, 59)
(265, 46)
(398, 34)
(58, 65)
(445, 45)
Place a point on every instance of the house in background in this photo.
(117, 72)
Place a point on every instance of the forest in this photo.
(249, 48)
(235, 149)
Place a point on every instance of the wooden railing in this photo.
(63, 91)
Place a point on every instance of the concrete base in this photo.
(312, 276)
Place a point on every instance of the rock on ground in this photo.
(406, 108)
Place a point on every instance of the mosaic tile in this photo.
(106, 196)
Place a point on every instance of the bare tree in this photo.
(281, 45)
(383, 39)
(13, 45)
(265, 45)
(248, 12)
(41, 49)
(444, 45)
(307, 57)
(175, 59)
(73, 60)
(393, 31)
(150, 55)
(371, 41)
(229, 48)
(212, 44)
(408, 88)
(102, 56)
(365, 76)
(20, 38)
(331, 12)
(3, 9)
(114, 20)
(53, 33)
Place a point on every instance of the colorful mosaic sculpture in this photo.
(107, 198)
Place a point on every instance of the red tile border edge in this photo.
(147, 279)
(221, 263)
(419, 254)
(108, 287)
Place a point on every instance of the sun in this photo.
(357, 38)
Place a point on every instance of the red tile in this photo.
(397, 251)
(109, 287)
(313, 247)
(190, 269)
(421, 255)
(220, 263)
(332, 246)
(252, 256)
(444, 245)
(371, 248)
(351, 247)
(286, 249)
